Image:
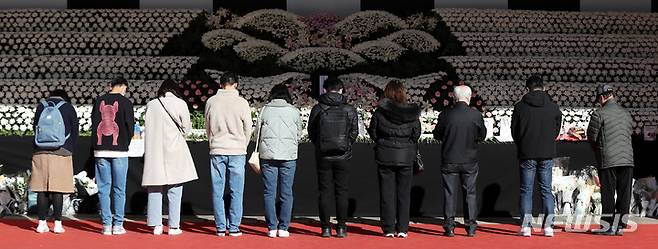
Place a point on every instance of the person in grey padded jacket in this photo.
(279, 129)
(609, 132)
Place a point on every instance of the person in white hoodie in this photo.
(229, 127)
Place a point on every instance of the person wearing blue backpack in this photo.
(56, 131)
(112, 128)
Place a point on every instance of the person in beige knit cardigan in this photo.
(229, 127)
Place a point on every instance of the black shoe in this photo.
(620, 231)
(341, 232)
(449, 232)
(609, 232)
(470, 231)
(326, 232)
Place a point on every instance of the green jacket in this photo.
(609, 132)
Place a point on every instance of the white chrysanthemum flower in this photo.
(255, 50)
(364, 24)
(379, 50)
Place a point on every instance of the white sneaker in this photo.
(107, 230)
(271, 233)
(58, 227)
(235, 234)
(118, 230)
(221, 234)
(157, 230)
(389, 235)
(174, 231)
(548, 232)
(284, 234)
(402, 235)
(42, 227)
(525, 231)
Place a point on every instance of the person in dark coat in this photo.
(333, 129)
(460, 130)
(395, 129)
(536, 123)
(609, 132)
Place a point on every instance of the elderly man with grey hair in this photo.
(460, 130)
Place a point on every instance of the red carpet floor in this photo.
(18, 233)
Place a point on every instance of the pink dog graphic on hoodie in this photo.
(107, 125)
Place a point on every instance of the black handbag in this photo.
(419, 166)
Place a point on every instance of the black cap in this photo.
(603, 89)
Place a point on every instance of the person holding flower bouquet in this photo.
(279, 130)
(56, 132)
(168, 163)
(395, 128)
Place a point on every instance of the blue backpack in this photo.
(50, 131)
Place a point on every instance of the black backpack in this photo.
(333, 138)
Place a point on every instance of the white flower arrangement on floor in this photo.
(97, 20)
(87, 183)
(556, 69)
(317, 58)
(255, 50)
(565, 185)
(83, 43)
(379, 50)
(221, 38)
(364, 24)
(568, 45)
(414, 40)
(81, 91)
(18, 185)
(532, 21)
(94, 67)
(645, 192)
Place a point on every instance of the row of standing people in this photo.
(333, 128)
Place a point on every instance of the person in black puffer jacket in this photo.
(395, 128)
(609, 131)
(333, 127)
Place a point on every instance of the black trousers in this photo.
(616, 180)
(454, 176)
(44, 199)
(333, 175)
(394, 197)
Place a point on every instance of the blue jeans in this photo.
(111, 178)
(529, 169)
(278, 175)
(154, 210)
(219, 166)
